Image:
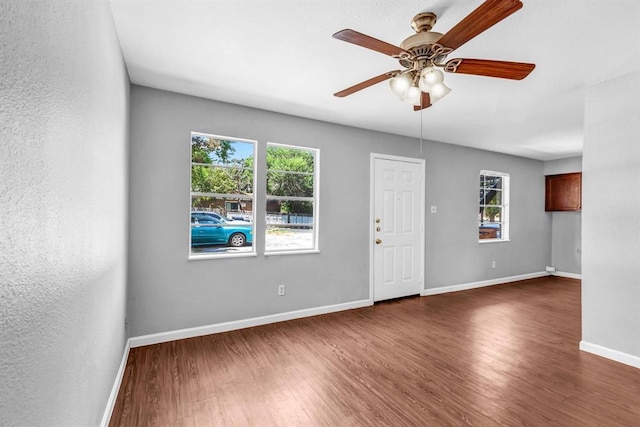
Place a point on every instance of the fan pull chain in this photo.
(421, 116)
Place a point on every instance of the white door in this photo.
(397, 228)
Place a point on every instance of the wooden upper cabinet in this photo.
(563, 192)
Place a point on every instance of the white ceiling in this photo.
(279, 55)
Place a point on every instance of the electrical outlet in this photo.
(280, 290)
(493, 264)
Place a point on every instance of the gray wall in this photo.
(63, 168)
(611, 216)
(566, 227)
(168, 292)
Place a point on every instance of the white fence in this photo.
(277, 218)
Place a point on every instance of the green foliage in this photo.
(296, 207)
(493, 197)
(492, 213)
(224, 180)
(208, 150)
(206, 179)
(290, 173)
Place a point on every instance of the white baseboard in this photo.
(569, 275)
(481, 284)
(245, 323)
(615, 355)
(111, 403)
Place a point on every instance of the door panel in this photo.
(398, 214)
(389, 264)
(389, 213)
(407, 273)
(408, 220)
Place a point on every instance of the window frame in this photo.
(504, 206)
(249, 253)
(315, 199)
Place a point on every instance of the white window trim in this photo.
(198, 257)
(316, 201)
(506, 194)
(292, 252)
(253, 252)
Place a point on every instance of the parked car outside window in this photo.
(234, 220)
(208, 228)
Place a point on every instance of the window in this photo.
(292, 199)
(222, 199)
(493, 217)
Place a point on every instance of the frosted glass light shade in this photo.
(413, 96)
(429, 77)
(438, 91)
(400, 85)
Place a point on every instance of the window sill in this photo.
(221, 256)
(294, 252)
(483, 241)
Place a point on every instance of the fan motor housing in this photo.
(419, 46)
(417, 40)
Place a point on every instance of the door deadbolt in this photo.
(377, 220)
(378, 229)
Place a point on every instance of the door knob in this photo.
(378, 241)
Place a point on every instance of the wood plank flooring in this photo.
(504, 355)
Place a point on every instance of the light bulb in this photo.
(432, 75)
(428, 77)
(413, 96)
(438, 91)
(400, 84)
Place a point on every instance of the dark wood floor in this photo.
(503, 355)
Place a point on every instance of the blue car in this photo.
(207, 229)
(233, 220)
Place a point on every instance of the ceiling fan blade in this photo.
(489, 68)
(485, 16)
(365, 84)
(425, 102)
(369, 42)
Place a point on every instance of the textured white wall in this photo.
(611, 216)
(63, 201)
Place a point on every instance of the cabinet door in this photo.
(563, 192)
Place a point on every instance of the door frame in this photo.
(422, 163)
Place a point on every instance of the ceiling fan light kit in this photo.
(400, 84)
(412, 96)
(423, 54)
(432, 81)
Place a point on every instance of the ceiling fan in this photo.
(424, 53)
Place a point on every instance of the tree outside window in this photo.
(222, 181)
(493, 206)
(291, 198)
